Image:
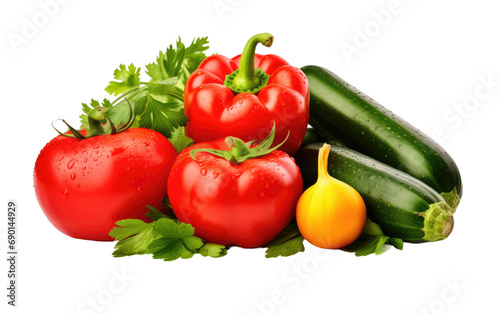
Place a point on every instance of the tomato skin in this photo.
(85, 186)
(245, 205)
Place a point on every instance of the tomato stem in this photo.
(241, 151)
(99, 124)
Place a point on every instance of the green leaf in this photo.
(159, 116)
(371, 228)
(288, 248)
(213, 250)
(158, 104)
(128, 78)
(372, 241)
(155, 214)
(133, 236)
(166, 88)
(179, 139)
(397, 243)
(287, 243)
(119, 113)
(165, 237)
(175, 240)
(178, 62)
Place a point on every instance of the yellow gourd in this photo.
(330, 214)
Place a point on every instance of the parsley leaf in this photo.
(372, 241)
(180, 140)
(213, 250)
(165, 237)
(133, 236)
(158, 115)
(287, 243)
(178, 62)
(158, 104)
(129, 78)
(155, 214)
(119, 113)
(176, 240)
(166, 87)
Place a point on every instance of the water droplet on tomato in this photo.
(65, 193)
(139, 189)
(84, 168)
(216, 174)
(203, 171)
(95, 159)
(146, 143)
(71, 163)
(73, 176)
(96, 147)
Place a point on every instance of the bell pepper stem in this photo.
(246, 78)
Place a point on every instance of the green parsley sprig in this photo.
(165, 237)
(158, 103)
(372, 241)
(288, 242)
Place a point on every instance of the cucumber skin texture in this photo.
(338, 110)
(393, 199)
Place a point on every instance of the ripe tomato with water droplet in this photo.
(244, 204)
(85, 197)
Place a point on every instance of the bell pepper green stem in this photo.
(246, 78)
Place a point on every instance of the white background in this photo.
(425, 60)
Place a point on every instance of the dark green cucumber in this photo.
(311, 137)
(402, 205)
(338, 110)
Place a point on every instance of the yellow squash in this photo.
(330, 214)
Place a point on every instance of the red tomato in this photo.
(244, 204)
(85, 186)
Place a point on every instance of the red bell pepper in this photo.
(242, 96)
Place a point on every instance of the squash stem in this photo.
(323, 162)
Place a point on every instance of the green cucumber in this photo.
(402, 205)
(340, 111)
(311, 137)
